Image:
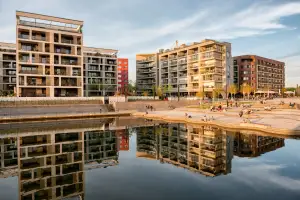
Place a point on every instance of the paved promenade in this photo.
(286, 121)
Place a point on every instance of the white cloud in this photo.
(133, 28)
(260, 176)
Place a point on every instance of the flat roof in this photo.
(258, 57)
(50, 18)
(99, 50)
(7, 45)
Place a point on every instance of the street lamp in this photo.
(227, 77)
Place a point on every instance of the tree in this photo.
(267, 89)
(145, 93)
(217, 91)
(200, 94)
(131, 87)
(167, 89)
(232, 90)
(153, 90)
(159, 91)
(246, 89)
(283, 90)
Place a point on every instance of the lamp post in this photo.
(178, 92)
(226, 89)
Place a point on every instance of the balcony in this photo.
(194, 58)
(173, 69)
(67, 40)
(76, 73)
(62, 51)
(172, 63)
(69, 62)
(38, 37)
(68, 82)
(60, 72)
(31, 82)
(9, 58)
(29, 72)
(182, 62)
(23, 36)
(29, 47)
(44, 60)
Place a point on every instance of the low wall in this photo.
(54, 109)
(48, 101)
(157, 105)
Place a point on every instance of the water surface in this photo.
(151, 160)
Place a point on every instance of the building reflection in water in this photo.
(252, 145)
(205, 149)
(51, 164)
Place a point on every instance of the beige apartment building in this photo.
(49, 56)
(100, 71)
(205, 150)
(51, 165)
(189, 68)
(7, 68)
(146, 73)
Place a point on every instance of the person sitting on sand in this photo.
(220, 107)
(186, 115)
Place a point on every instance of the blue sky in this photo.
(269, 28)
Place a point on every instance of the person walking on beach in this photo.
(241, 113)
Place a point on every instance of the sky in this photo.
(268, 28)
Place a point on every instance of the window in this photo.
(125, 63)
(246, 72)
(245, 78)
(248, 66)
(120, 62)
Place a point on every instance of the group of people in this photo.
(218, 108)
(149, 107)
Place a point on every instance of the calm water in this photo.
(162, 161)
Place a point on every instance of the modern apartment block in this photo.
(49, 56)
(100, 71)
(204, 150)
(8, 157)
(100, 146)
(188, 69)
(251, 145)
(146, 73)
(51, 165)
(122, 75)
(260, 73)
(7, 68)
(123, 139)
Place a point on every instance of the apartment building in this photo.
(147, 71)
(8, 157)
(7, 68)
(123, 75)
(262, 74)
(100, 71)
(51, 165)
(101, 146)
(49, 56)
(251, 145)
(205, 150)
(147, 142)
(197, 67)
(187, 69)
(123, 140)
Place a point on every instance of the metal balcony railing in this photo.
(39, 37)
(23, 36)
